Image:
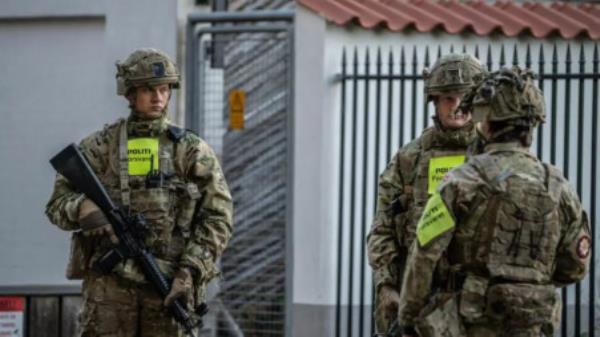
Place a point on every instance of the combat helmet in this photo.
(508, 95)
(146, 66)
(452, 73)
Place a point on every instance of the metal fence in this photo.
(382, 108)
(254, 59)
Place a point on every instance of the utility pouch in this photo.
(441, 318)
(522, 305)
(472, 298)
(79, 257)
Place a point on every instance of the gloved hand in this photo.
(93, 222)
(182, 286)
(388, 299)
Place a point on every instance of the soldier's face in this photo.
(151, 101)
(447, 111)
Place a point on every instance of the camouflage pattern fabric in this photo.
(189, 216)
(402, 194)
(115, 307)
(519, 232)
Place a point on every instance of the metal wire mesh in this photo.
(252, 293)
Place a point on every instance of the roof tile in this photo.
(539, 25)
(427, 22)
(540, 20)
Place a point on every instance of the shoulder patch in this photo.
(583, 247)
(435, 220)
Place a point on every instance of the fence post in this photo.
(554, 107)
(425, 105)
(341, 199)
(388, 153)
(592, 297)
(363, 212)
(489, 57)
(540, 130)
(401, 105)
(352, 189)
(413, 121)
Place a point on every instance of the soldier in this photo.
(510, 226)
(169, 175)
(413, 174)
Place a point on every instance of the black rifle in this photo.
(72, 165)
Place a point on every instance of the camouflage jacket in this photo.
(509, 226)
(189, 217)
(404, 187)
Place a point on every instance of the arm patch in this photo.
(435, 220)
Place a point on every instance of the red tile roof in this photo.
(538, 19)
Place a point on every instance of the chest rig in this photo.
(423, 169)
(157, 187)
(514, 228)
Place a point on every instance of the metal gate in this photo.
(247, 53)
(382, 109)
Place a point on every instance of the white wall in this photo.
(318, 135)
(58, 86)
(312, 234)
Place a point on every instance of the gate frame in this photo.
(274, 21)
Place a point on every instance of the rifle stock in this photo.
(71, 164)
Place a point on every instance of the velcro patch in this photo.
(142, 156)
(158, 68)
(439, 167)
(435, 220)
(583, 247)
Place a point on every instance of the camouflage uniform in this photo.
(510, 227)
(189, 215)
(412, 176)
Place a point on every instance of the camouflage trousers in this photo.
(113, 307)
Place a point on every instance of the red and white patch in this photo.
(583, 247)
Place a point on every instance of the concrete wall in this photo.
(313, 235)
(58, 86)
(319, 47)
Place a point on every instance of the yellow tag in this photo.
(439, 166)
(435, 220)
(237, 105)
(140, 152)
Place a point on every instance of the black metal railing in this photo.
(382, 108)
